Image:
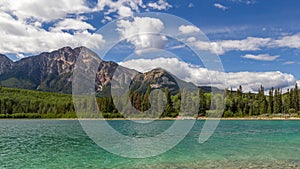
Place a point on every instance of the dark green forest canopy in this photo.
(20, 103)
(239, 104)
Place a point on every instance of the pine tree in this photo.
(262, 101)
(296, 98)
(270, 102)
(277, 101)
(239, 101)
(169, 110)
(202, 104)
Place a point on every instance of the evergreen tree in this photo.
(270, 102)
(202, 104)
(262, 101)
(296, 98)
(277, 101)
(239, 101)
(169, 110)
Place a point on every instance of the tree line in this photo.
(20, 103)
(275, 102)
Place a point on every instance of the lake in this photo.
(235, 144)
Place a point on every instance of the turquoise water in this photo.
(235, 144)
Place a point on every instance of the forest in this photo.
(274, 103)
(21, 103)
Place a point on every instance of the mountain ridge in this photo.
(52, 72)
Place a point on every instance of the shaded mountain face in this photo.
(52, 71)
(5, 64)
(46, 71)
(157, 78)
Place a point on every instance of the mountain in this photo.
(46, 71)
(52, 71)
(159, 78)
(156, 78)
(5, 64)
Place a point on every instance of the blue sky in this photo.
(257, 19)
(249, 36)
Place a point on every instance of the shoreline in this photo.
(162, 119)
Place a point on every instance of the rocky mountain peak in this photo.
(155, 78)
(5, 64)
(52, 71)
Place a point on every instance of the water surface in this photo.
(235, 144)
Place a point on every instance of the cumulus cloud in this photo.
(292, 41)
(125, 11)
(220, 6)
(262, 57)
(122, 8)
(247, 44)
(142, 32)
(71, 24)
(203, 77)
(188, 29)
(17, 36)
(22, 31)
(159, 5)
(44, 10)
(220, 47)
(125, 8)
(213, 47)
(22, 23)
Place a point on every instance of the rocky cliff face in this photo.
(46, 71)
(156, 79)
(5, 64)
(52, 71)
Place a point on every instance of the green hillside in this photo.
(21, 103)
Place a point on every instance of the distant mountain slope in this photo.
(5, 64)
(46, 71)
(52, 71)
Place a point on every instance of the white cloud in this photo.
(159, 5)
(292, 41)
(220, 47)
(199, 76)
(17, 36)
(220, 6)
(262, 57)
(20, 55)
(188, 29)
(125, 11)
(71, 24)
(125, 8)
(22, 31)
(248, 44)
(44, 10)
(289, 63)
(252, 80)
(21, 28)
(213, 47)
(142, 32)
